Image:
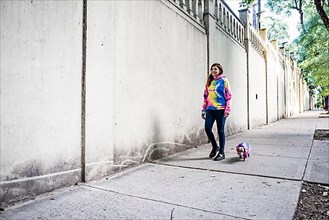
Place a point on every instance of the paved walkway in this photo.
(191, 186)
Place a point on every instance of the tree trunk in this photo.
(326, 104)
(322, 13)
(299, 7)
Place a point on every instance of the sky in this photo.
(292, 20)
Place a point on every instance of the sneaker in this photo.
(213, 152)
(219, 157)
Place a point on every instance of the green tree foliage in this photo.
(249, 2)
(321, 6)
(313, 51)
(312, 45)
(276, 29)
(286, 6)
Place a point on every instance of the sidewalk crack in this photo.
(229, 172)
(159, 201)
(308, 157)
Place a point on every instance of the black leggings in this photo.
(211, 117)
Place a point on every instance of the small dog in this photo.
(243, 150)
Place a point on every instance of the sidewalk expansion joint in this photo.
(308, 158)
(229, 172)
(159, 201)
(277, 156)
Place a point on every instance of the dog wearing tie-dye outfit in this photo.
(243, 150)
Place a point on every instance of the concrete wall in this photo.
(100, 87)
(306, 97)
(226, 47)
(272, 83)
(153, 60)
(290, 87)
(257, 89)
(40, 95)
(281, 87)
(146, 67)
(232, 56)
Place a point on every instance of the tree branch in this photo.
(322, 13)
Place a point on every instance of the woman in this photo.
(216, 107)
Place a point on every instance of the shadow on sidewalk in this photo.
(232, 160)
(185, 159)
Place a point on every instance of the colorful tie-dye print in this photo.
(218, 95)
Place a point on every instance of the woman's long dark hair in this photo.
(210, 77)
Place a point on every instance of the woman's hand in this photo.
(226, 114)
(203, 114)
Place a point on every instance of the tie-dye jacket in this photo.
(218, 95)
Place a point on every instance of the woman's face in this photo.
(215, 71)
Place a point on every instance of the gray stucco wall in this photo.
(40, 95)
(146, 67)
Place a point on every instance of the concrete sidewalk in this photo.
(189, 185)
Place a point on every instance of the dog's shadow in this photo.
(232, 160)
